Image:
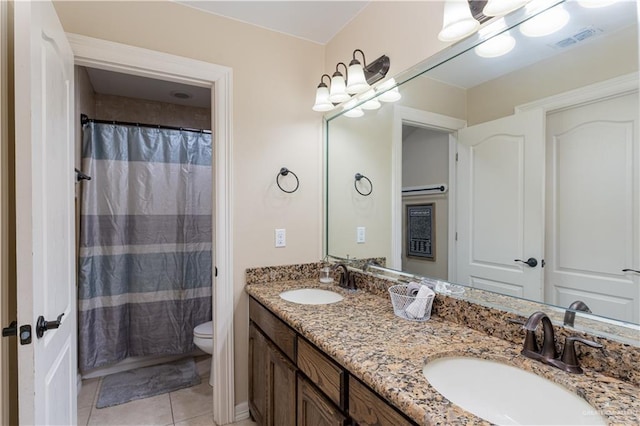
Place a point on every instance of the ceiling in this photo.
(132, 86)
(317, 21)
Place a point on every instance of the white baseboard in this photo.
(242, 411)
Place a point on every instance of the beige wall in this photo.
(406, 31)
(274, 80)
(615, 55)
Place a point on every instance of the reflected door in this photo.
(500, 177)
(593, 205)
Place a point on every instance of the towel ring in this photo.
(360, 176)
(284, 172)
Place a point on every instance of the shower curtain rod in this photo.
(84, 119)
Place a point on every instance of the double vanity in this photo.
(350, 359)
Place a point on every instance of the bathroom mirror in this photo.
(516, 174)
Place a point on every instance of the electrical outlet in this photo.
(281, 237)
(360, 234)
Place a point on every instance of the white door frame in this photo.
(106, 55)
(613, 87)
(428, 120)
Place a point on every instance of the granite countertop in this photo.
(388, 353)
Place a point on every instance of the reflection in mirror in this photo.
(537, 155)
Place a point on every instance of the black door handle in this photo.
(42, 325)
(530, 261)
(631, 270)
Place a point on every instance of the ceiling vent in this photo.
(576, 38)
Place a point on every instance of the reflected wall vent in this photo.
(576, 38)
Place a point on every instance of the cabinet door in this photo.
(281, 389)
(314, 409)
(368, 409)
(257, 375)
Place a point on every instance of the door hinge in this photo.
(456, 236)
(216, 271)
(456, 157)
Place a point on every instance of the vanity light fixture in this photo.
(338, 92)
(548, 22)
(496, 46)
(322, 96)
(458, 22)
(502, 7)
(358, 79)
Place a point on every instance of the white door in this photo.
(500, 178)
(44, 208)
(593, 207)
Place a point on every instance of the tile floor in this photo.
(185, 407)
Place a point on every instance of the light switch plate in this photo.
(360, 234)
(281, 237)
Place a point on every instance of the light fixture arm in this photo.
(338, 71)
(354, 60)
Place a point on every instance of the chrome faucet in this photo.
(570, 313)
(568, 361)
(346, 279)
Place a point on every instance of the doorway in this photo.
(425, 201)
(121, 58)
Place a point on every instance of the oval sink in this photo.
(506, 395)
(311, 296)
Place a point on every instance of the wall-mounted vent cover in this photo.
(581, 35)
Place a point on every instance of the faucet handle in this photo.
(516, 321)
(569, 357)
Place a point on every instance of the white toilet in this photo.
(203, 338)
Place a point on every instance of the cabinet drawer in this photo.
(368, 409)
(276, 330)
(322, 371)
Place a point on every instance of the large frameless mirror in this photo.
(514, 173)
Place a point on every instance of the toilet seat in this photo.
(204, 330)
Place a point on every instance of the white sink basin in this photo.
(311, 296)
(506, 395)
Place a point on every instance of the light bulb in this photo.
(338, 92)
(458, 22)
(502, 7)
(388, 91)
(356, 81)
(496, 46)
(546, 23)
(373, 103)
(322, 99)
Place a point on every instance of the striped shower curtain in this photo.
(145, 264)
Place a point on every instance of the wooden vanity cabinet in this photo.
(314, 409)
(291, 382)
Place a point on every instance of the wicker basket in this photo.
(410, 307)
